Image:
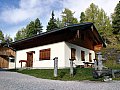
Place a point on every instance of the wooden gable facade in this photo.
(5, 53)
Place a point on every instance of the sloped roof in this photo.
(54, 36)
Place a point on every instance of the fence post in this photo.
(71, 67)
(100, 65)
(55, 66)
(95, 64)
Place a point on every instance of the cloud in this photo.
(12, 30)
(31, 9)
(79, 6)
(107, 5)
(28, 9)
(14, 17)
(76, 6)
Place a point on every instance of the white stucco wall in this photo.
(78, 61)
(62, 50)
(57, 50)
(11, 65)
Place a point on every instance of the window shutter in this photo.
(73, 53)
(44, 54)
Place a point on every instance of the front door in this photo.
(29, 59)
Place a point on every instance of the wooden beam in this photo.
(98, 47)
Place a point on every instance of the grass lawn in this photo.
(63, 74)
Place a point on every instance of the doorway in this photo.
(29, 59)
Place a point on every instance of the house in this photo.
(79, 42)
(6, 57)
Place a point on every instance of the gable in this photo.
(72, 34)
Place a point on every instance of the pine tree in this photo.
(59, 23)
(116, 19)
(18, 36)
(38, 26)
(33, 28)
(68, 18)
(99, 18)
(1, 36)
(8, 39)
(30, 29)
(21, 34)
(52, 23)
(82, 17)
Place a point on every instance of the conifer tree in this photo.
(99, 18)
(30, 29)
(21, 34)
(68, 18)
(52, 23)
(116, 19)
(38, 26)
(82, 17)
(33, 28)
(1, 36)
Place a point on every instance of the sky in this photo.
(16, 14)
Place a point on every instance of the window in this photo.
(12, 59)
(82, 55)
(90, 57)
(45, 54)
(73, 53)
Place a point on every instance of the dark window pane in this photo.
(90, 57)
(82, 55)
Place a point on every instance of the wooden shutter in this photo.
(73, 53)
(45, 54)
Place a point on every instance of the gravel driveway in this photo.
(17, 81)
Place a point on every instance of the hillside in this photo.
(112, 52)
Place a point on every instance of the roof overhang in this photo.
(64, 34)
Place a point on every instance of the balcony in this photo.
(4, 51)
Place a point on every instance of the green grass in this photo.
(112, 64)
(111, 52)
(63, 74)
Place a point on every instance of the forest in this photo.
(107, 26)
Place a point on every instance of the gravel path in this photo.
(17, 81)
